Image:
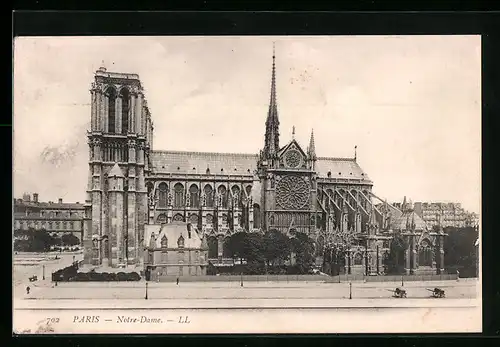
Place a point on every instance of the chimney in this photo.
(35, 197)
(60, 200)
(26, 197)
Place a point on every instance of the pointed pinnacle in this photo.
(312, 147)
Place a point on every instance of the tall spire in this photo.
(272, 122)
(312, 147)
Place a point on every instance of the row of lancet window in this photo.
(115, 153)
(125, 97)
(194, 195)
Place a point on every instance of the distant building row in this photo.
(54, 217)
(449, 214)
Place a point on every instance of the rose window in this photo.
(193, 219)
(293, 158)
(209, 219)
(178, 218)
(292, 192)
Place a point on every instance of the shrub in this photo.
(71, 274)
(134, 276)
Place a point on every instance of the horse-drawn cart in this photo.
(437, 293)
(399, 293)
(33, 278)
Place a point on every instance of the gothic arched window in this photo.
(358, 259)
(193, 219)
(163, 193)
(194, 196)
(223, 193)
(162, 219)
(209, 219)
(209, 195)
(111, 110)
(236, 193)
(124, 94)
(425, 254)
(178, 218)
(248, 189)
(178, 195)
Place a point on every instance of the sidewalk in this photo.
(139, 304)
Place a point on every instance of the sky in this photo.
(411, 105)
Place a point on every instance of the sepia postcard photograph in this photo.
(246, 184)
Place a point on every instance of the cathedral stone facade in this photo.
(284, 187)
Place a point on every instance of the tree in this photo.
(238, 245)
(276, 248)
(303, 247)
(460, 250)
(70, 240)
(32, 240)
(395, 261)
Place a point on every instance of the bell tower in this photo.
(120, 140)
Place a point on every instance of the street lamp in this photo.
(146, 297)
(350, 290)
(43, 272)
(366, 258)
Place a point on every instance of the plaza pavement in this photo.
(22, 273)
(209, 295)
(197, 295)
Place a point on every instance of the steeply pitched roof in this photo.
(49, 205)
(242, 164)
(346, 168)
(199, 162)
(407, 219)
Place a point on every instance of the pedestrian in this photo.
(27, 290)
(177, 280)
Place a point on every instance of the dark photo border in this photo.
(75, 23)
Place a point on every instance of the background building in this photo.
(174, 249)
(450, 214)
(54, 217)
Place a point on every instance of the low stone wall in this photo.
(246, 278)
(306, 278)
(412, 278)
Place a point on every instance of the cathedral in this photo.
(285, 187)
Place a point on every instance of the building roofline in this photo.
(249, 155)
(112, 74)
(337, 159)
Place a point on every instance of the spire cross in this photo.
(293, 132)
